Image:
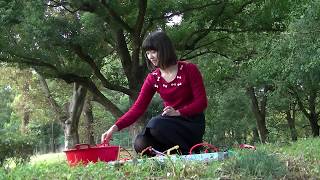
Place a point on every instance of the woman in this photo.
(181, 88)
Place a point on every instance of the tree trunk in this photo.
(25, 120)
(313, 114)
(310, 113)
(75, 110)
(255, 135)
(291, 123)
(53, 142)
(26, 110)
(88, 116)
(259, 113)
(314, 124)
(61, 113)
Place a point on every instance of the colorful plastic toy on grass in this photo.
(210, 153)
(84, 153)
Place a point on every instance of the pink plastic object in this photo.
(247, 146)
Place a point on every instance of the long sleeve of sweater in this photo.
(199, 101)
(140, 105)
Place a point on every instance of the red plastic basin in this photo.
(84, 153)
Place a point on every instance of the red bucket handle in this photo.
(82, 146)
(104, 144)
(209, 146)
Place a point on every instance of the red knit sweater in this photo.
(185, 93)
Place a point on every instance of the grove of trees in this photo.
(70, 68)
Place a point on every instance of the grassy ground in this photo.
(50, 158)
(300, 160)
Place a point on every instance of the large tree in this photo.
(80, 40)
(302, 65)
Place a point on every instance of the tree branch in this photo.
(30, 61)
(137, 38)
(244, 5)
(122, 50)
(202, 33)
(228, 30)
(140, 19)
(88, 59)
(263, 103)
(185, 10)
(254, 101)
(61, 4)
(206, 52)
(86, 82)
(116, 17)
(203, 45)
(59, 112)
(300, 104)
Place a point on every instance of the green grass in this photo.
(48, 158)
(299, 160)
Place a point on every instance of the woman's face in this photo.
(152, 55)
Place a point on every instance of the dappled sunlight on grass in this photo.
(48, 158)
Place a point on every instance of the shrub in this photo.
(15, 145)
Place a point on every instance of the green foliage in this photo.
(15, 145)
(122, 139)
(24, 84)
(102, 121)
(286, 61)
(48, 136)
(22, 93)
(113, 71)
(228, 116)
(242, 43)
(6, 96)
(233, 121)
(9, 11)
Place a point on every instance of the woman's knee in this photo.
(155, 132)
(142, 142)
(139, 143)
(159, 127)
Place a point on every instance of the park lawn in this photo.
(299, 160)
(48, 158)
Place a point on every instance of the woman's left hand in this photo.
(170, 111)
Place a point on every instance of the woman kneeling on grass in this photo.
(181, 88)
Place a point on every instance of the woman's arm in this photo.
(139, 107)
(200, 101)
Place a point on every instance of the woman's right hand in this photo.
(105, 137)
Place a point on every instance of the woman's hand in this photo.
(170, 111)
(105, 137)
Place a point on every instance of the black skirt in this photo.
(169, 131)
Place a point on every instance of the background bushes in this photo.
(15, 145)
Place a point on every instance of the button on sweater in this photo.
(185, 93)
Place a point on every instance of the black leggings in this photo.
(164, 132)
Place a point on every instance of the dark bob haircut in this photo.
(160, 42)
